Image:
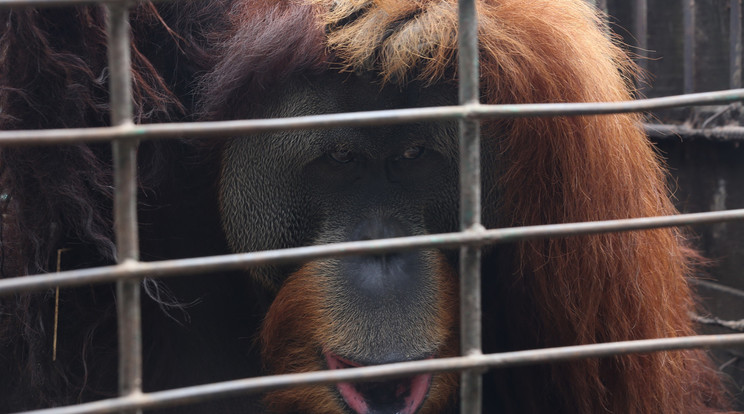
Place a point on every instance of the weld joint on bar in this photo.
(127, 125)
(137, 396)
(477, 231)
(477, 359)
(475, 228)
(129, 264)
(473, 354)
(126, 130)
(472, 110)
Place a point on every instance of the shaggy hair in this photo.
(53, 74)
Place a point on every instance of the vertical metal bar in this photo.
(735, 49)
(601, 4)
(470, 207)
(125, 199)
(640, 27)
(688, 17)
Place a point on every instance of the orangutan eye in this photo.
(342, 156)
(411, 153)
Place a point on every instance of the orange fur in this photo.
(298, 328)
(556, 170)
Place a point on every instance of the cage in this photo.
(691, 140)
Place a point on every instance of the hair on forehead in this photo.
(268, 41)
(402, 41)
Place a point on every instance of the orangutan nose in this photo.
(383, 276)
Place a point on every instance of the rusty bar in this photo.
(183, 267)
(201, 393)
(735, 46)
(640, 28)
(471, 383)
(125, 201)
(371, 118)
(688, 17)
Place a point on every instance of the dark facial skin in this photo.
(310, 187)
(295, 188)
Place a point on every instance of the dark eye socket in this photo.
(342, 156)
(411, 153)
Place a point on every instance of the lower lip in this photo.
(411, 391)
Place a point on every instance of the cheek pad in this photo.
(262, 203)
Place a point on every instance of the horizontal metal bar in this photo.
(225, 389)
(735, 325)
(372, 118)
(723, 133)
(180, 267)
(723, 289)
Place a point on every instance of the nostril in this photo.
(390, 275)
(393, 275)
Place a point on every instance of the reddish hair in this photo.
(269, 41)
(298, 324)
(587, 289)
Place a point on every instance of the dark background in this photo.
(706, 165)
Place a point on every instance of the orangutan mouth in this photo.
(400, 395)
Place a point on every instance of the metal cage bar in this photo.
(125, 200)
(688, 67)
(471, 381)
(200, 393)
(721, 133)
(182, 267)
(735, 45)
(370, 118)
(601, 5)
(640, 29)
